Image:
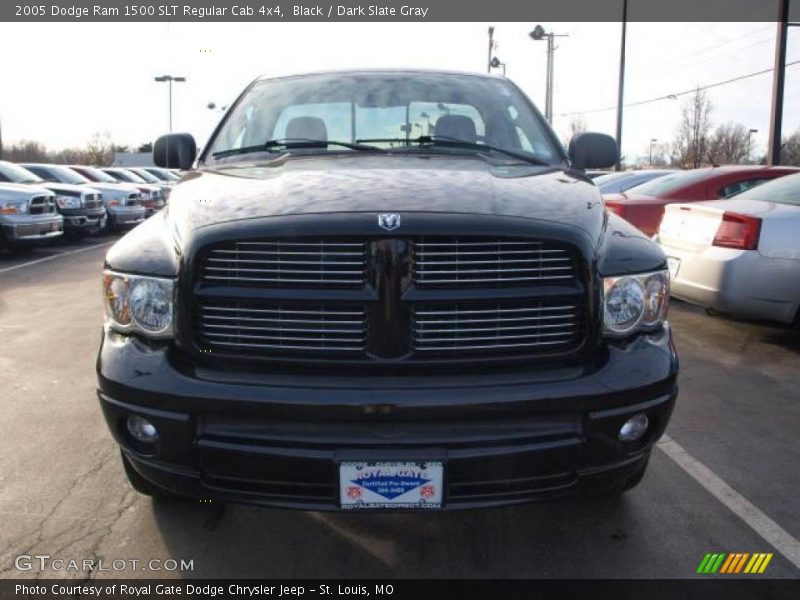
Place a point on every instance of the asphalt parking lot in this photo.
(725, 480)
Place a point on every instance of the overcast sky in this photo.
(62, 82)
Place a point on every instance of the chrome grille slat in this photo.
(288, 347)
(453, 329)
(463, 262)
(303, 263)
(272, 326)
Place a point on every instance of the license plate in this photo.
(673, 264)
(390, 485)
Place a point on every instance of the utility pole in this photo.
(776, 118)
(169, 79)
(491, 47)
(621, 92)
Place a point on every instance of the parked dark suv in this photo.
(385, 290)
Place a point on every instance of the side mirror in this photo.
(593, 151)
(175, 151)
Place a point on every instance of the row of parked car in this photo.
(39, 202)
(731, 234)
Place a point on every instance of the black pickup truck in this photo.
(385, 290)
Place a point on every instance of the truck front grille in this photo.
(92, 201)
(133, 200)
(279, 327)
(42, 205)
(378, 300)
(280, 263)
(475, 262)
(481, 327)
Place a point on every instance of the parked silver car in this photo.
(123, 201)
(740, 255)
(166, 186)
(28, 216)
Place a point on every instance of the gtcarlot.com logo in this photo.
(734, 563)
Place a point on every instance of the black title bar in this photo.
(275, 11)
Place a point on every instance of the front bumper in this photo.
(30, 229)
(151, 207)
(739, 282)
(126, 216)
(81, 220)
(276, 440)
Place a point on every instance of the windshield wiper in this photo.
(451, 142)
(300, 142)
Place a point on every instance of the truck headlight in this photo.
(11, 207)
(68, 202)
(635, 302)
(137, 304)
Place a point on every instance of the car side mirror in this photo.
(593, 151)
(175, 151)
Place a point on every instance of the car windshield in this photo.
(783, 190)
(386, 111)
(11, 173)
(661, 186)
(128, 176)
(148, 177)
(95, 174)
(163, 174)
(66, 175)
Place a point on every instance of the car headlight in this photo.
(136, 304)
(68, 202)
(635, 302)
(13, 207)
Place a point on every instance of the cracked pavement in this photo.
(63, 491)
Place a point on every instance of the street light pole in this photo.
(539, 34)
(169, 79)
(491, 47)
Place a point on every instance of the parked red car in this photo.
(643, 205)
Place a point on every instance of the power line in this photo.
(676, 94)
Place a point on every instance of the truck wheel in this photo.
(141, 485)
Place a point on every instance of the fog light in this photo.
(633, 428)
(141, 429)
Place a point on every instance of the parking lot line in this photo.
(51, 257)
(768, 529)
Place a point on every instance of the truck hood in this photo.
(417, 183)
(22, 191)
(115, 189)
(68, 187)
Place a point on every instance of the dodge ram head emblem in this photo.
(389, 221)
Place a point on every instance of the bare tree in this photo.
(26, 151)
(100, 150)
(577, 124)
(790, 151)
(690, 148)
(729, 144)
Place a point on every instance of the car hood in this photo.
(21, 191)
(419, 183)
(114, 189)
(68, 187)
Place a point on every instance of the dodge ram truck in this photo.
(385, 290)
